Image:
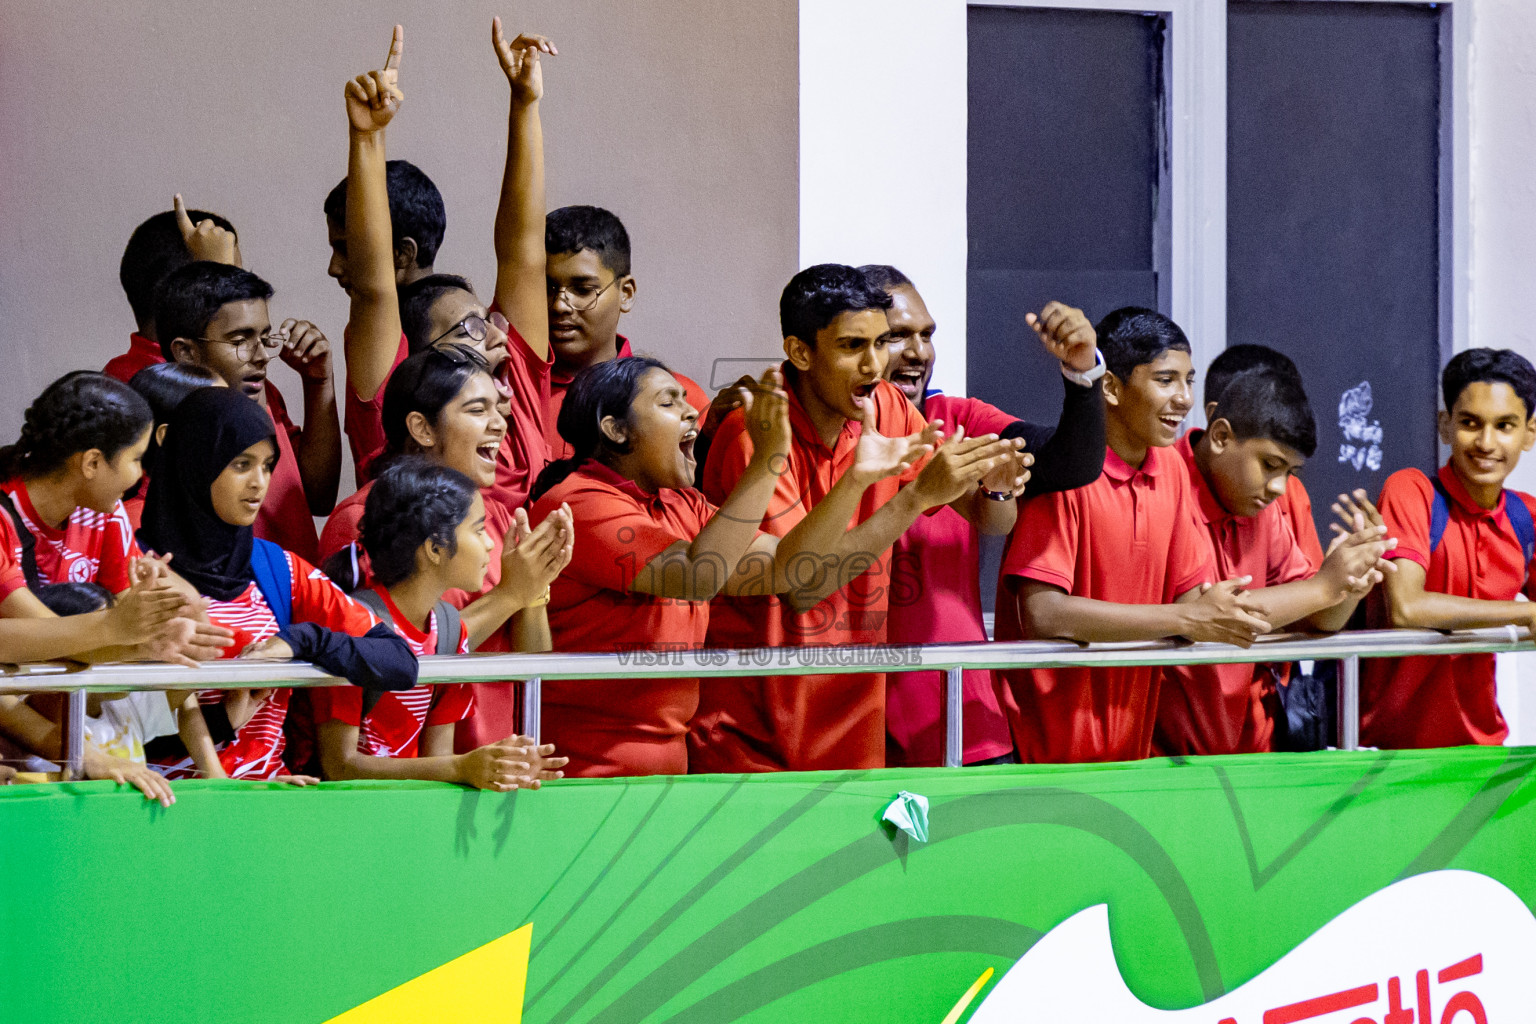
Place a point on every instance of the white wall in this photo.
(1504, 242)
(680, 115)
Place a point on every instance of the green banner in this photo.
(1234, 889)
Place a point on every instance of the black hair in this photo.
(416, 209)
(153, 251)
(1269, 405)
(884, 276)
(574, 228)
(164, 385)
(1492, 366)
(425, 382)
(1236, 359)
(79, 411)
(607, 389)
(413, 501)
(75, 598)
(818, 295)
(193, 295)
(416, 301)
(1133, 336)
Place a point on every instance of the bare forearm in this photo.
(991, 518)
(530, 631)
(1291, 602)
(488, 613)
(50, 639)
(319, 447)
(1429, 610)
(365, 766)
(1331, 620)
(1085, 620)
(519, 234)
(723, 541)
(193, 729)
(373, 335)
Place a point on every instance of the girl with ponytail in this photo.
(441, 404)
(652, 552)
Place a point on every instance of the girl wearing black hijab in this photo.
(212, 477)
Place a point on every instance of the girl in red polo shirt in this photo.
(441, 403)
(423, 529)
(217, 465)
(653, 551)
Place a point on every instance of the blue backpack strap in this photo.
(269, 564)
(1439, 514)
(1519, 514)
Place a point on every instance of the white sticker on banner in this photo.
(1447, 947)
(1361, 447)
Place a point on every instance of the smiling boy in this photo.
(1121, 559)
(1463, 557)
(215, 315)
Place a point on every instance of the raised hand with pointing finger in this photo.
(206, 239)
(520, 62)
(374, 98)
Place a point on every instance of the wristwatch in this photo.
(1086, 378)
(994, 495)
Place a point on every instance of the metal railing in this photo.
(712, 663)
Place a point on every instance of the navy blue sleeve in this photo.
(377, 660)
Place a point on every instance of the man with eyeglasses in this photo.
(589, 286)
(215, 315)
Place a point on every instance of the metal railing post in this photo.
(533, 698)
(954, 717)
(72, 742)
(1349, 703)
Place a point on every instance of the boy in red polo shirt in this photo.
(386, 221)
(936, 564)
(215, 315)
(165, 242)
(589, 287)
(835, 333)
(1121, 559)
(1261, 433)
(1296, 503)
(1463, 557)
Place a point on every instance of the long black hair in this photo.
(607, 389)
(412, 502)
(79, 411)
(425, 382)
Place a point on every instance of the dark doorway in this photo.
(1333, 222)
(1067, 195)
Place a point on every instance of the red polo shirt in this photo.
(141, 352)
(285, 519)
(1130, 537)
(814, 722)
(1229, 709)
(497, 713)
(1446, 701)
(364, 421)
(1296, 508)
(935, 599)
(90, 548)
(620, 727)
(560, 383)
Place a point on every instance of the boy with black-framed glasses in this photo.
(215, 315)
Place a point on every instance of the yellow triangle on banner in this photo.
(484, 985)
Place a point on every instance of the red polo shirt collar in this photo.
(1211, 510)
(1458, 493)
(804, 429)
(1118, 469)
(559, 376)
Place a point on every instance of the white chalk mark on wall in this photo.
(1361, 446)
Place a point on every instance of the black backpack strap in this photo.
(28, 543)
(449, 626)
